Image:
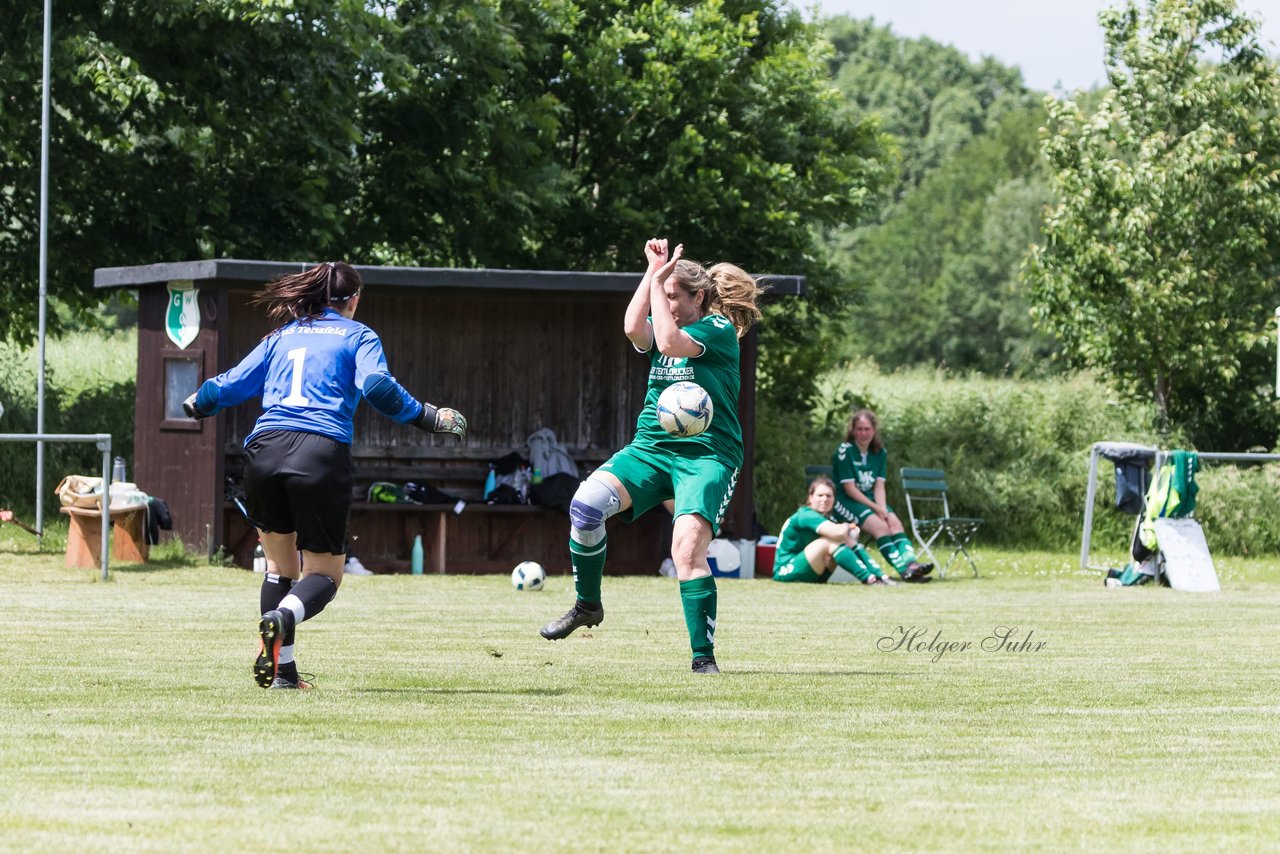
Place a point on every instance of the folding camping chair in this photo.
(811, 472)
(930, 485)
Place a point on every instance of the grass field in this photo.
(1148, 720)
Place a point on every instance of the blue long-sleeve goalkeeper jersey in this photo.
(311, 375)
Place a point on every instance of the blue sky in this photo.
(1056, 43)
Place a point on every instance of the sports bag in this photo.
(78, 490)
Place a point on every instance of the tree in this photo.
(931, 98)
(1161, 254)
(458, 157)
(936, 278)
(181, 129)
(939, 275)
(546, 134)
(716, 124)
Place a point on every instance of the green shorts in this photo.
(848, 510)
(700, 485)
(798, 569)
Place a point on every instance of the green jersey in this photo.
(800, 529)
(716, 370)
(848, 463)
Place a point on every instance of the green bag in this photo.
(388, 493)
(1133, 574)
(1172, 496)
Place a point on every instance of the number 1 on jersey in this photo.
(295, 397)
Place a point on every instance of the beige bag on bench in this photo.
(78, 490)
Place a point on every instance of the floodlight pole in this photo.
(44, 267)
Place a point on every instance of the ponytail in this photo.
(737, 296)
(306, 295)
(727, 290)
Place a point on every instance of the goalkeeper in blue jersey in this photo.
(310, 373)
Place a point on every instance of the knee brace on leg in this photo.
(593, 503)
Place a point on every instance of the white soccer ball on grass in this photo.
(684, 409)
(528, 575)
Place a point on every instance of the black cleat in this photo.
(705, 664)
(271, 633)
(581, 614)
(281, 683)
(922, 568)
(915, 575)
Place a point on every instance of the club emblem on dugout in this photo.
(182, 317)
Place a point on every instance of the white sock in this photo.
(294, 604)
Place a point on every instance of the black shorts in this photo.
(300, 482)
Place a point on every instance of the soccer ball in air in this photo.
(528, 575)
(684, 409)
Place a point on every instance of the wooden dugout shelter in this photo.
(514, 350)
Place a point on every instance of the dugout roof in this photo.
(234, 271)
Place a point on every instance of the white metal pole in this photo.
(105, 544)
(1278, 351)
(1091, 492)
(44, 265)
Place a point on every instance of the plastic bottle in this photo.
(259, 558)
(416, 557)
(490, 482)
(118, 474)
(537, 475)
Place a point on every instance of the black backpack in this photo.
(555, 491)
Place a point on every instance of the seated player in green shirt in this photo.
(810, 545)
(859, 465)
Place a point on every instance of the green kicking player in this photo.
(859, 465)
(688, 320)
(811, 545)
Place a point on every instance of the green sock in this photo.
(698, 596)
(889, 548)
(865, 557)
(847, 558)
(588, 568)
(905, 547)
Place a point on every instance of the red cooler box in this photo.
(764, 559)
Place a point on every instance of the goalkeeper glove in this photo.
(442, 420)
(189, 407)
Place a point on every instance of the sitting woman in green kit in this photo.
(810, 545)
(859, 466)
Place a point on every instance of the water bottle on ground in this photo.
(416, 555)
(259, 558)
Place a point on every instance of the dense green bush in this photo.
(89, 388)
(1016, 452)
(1236, 507)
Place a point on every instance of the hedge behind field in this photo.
(1016, 453)
(90, 383)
